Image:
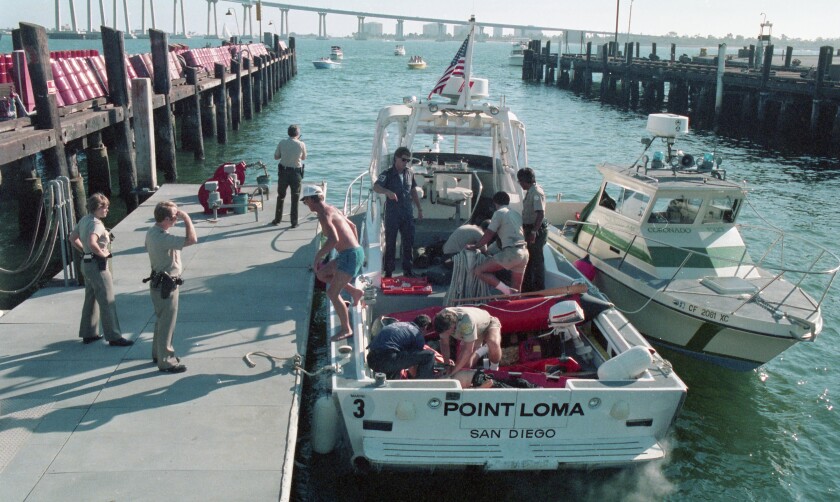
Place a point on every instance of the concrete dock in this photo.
(95, 422)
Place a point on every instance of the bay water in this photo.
(769, 434)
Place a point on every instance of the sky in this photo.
(806, 19)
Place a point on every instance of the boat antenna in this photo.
(466, 96)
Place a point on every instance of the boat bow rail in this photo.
(815, 267)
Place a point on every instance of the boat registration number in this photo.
(712, 315)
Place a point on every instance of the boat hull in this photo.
(663, 322)
(401, 425)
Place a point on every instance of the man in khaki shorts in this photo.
(507, 224)
(474, 328)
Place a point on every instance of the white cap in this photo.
(311, 190)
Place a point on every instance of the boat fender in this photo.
(585, 267)
(627, 365)
(324, 425)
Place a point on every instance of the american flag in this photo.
(456, 67)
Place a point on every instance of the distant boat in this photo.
(416, 63)
(336, 52)
(399, 51)
(325, 64)
(517, 54)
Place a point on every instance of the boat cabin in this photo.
(664, 220)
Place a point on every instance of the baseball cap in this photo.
(310, 191)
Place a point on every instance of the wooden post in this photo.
(99, 172)
(768, 62)
(269, 82)
(293, 54)
(823, 65)
(113, 46)
(264, 79)
(208, 114)
(236, 95)
(164, 130)
(257, 84)
(144, 135)
(605, 74)
(721, 69)
(247, 93)
(191, 126)
(587, 77)
(788, 56)
(673, 52)
(34, 39)
(221, 104)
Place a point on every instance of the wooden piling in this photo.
(236, 95)
(98, 169)
(221, 104)
(164, 130)
(208, 114)
(113, 46)
(257, 84)
(247, 93)
(34, 40)
(144, 134)
(191, 135)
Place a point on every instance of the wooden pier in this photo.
(95, 422)
(781, 104)
(208, 98)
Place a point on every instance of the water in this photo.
(770, 434)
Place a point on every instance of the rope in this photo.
(29, 261)
(294, 361)
(464, 282)
(44, 263)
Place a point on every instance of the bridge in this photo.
(247, 27)
(399, 18)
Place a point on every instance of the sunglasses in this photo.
(405, 159)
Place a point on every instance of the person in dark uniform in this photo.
(400, 346)
(535, 228)
(291, 152)
(398, 185)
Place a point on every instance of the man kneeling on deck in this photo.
(399, 346)
(473, 327)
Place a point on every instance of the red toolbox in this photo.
(406, 286)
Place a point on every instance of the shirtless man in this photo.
(342, 236)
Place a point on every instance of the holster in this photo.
(168, 284)
(102, 263)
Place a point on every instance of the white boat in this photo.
(599, 407)
(416, 63)
(336, 52)
(517, 53)
(399, 50)
(325, 64)
(670, 252)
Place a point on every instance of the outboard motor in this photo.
(562, 318)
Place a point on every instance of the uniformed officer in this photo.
(291, 152)
(535, 228)
(398, 185)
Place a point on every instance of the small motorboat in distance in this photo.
(399, 51)
(336, 52)
(665, 238)
(416, 63)
(325, 63)
(517, 53)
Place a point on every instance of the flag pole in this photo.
(466, 96)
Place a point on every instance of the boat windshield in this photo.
(624, 201)
(678, 210)
(722, 210)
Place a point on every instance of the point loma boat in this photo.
(577, 386)
(664, 236)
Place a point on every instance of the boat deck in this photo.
(94, 422)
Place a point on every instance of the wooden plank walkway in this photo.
(94, 422)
